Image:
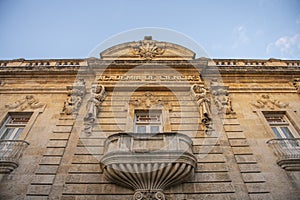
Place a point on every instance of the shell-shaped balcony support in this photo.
(148, 163)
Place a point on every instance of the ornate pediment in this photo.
(147, 49)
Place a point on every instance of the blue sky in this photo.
(40, 29)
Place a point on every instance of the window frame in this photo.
(292, 122)
(24, 134)
(17, 128)
(148, 125)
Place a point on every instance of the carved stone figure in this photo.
(93, 106)
(296, 83)
(267, 101)
(221, 97)
(75, 94)
(199, 94)
(28, 102)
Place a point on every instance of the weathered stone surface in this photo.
(253, 177)
(238, 143)
(47, 169)
(51, 151)
(43, 179)
(236, 135)
(60, 136)
(245, 159)
(39, 189)
(249, 168)
(211, 167)
(50, 160)
(85, 168)
(232, 128)
(63, 129)
(257, 187)
(57, 143)
(242, 150)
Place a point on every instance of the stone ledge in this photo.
(54, 151)
(43, 180)
(238, 142)
(236, 135)
(249, 168)
(245, 159)
(47, 170)
(49, 160)
(253, 177)
(39, 190)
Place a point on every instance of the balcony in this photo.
(288, 152)
(147, 163)
(10, 152)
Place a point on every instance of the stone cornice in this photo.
(224, 66)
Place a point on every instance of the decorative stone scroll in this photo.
(29, 102)
(75, 94)
(98, 95)
(147, 49)
(151, 195)
(296, 83)
(267, 101)
(200, 96)
(221, 97)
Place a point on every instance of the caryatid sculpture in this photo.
(199, 94)
(93, 106)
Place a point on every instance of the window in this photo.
(13, 125)
(148, 121)
(280, 125)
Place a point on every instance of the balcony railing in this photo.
(287, 151)
(10, 152)
(148, 164)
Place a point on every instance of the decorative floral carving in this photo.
(267, 101)
(29, 102)
(199, 94)
(147, 49)
(93, 106)
(296, 83)
(221, 97)
(74, 99)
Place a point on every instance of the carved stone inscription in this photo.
(149, 78)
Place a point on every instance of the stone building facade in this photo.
(148, 120)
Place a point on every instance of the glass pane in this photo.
(18, 133)
(154, 129)
(276, 132)
(7, 133)
(286, 131)
(141, 129)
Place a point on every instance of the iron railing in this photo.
(287, 152)
(286, 148)
(10, 152)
